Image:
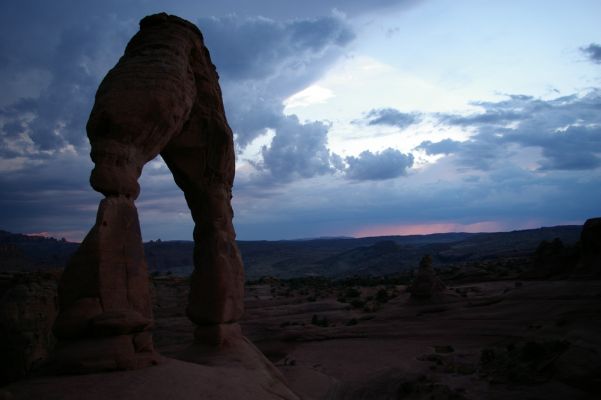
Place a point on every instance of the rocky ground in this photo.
(492, 340)
(368, 339)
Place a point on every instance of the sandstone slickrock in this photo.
(426, 284)
(27, 309)
(162, 97)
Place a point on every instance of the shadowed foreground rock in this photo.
(238, 371)
(162, 97)
(27, 311)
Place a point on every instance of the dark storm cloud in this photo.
(576, 148)
(520, 197)
(251, 52)
(54, 54)
(49, 195)
(391, 117)
(56, 117)
(258, 47)
(488, 117)
(388, 164)
(59, 65)
(263, 61)
(567, 130)
(279, 9)
(593, 52)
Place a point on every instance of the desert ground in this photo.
(490, 340)
(512, 327)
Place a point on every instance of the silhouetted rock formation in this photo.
(580, 260)
(426, 285)
(552, 258)
(590, 247)
(162, 97)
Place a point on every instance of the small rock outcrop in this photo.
(162, 97)
(426, 285)
(580, 260)
(552, 258)
(590, 247)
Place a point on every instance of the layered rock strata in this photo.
(162, 97)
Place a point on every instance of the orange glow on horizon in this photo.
(70, 236)
(39, 234)
(429, 228)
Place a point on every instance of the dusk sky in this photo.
(351, 118)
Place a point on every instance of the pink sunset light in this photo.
(428, 228)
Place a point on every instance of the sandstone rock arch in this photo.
(162, 97)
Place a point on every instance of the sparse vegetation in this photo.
(382, 296)
(521, 361)
(357, 303)
(320, 321)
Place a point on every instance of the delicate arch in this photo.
(162, 97)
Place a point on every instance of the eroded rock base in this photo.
(106, 314)
(89, 355)
(218, 335)
(239, 371)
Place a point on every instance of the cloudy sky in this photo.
(351, 117)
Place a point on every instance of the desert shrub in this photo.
(521, 361)
(357, 303)
(351, 322)
(371, 307)
(319, 321)
(382, 296)
(352, 293)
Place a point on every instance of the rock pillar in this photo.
(105, 310)
(590, 247)
(426, 284)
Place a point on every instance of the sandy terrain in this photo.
(495, 340)
(492, 340)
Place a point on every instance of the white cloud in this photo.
(313, 94)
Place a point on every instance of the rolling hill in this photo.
(329, 257)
